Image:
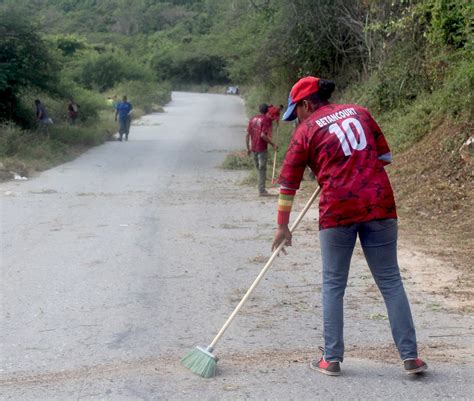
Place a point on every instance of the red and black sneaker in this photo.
(413, 366)
(323, 366)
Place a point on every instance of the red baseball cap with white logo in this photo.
(303, 88)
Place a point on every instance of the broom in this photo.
(201, 360)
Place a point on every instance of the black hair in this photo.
(37, 101)
(263, 108)
(326, 88)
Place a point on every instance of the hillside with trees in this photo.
(408, 61)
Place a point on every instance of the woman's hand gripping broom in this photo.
(201, 360)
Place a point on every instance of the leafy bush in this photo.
(102, 71)
(68, 44)
(25, 62)
(458, 88)
(91, 103)
(144, 95)
(450, 98)
(12, 138)
(449, 21)
(184, 63)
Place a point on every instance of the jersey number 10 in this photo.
(345, 134)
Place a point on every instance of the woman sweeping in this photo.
(346, 150)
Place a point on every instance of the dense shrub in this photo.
(102, 71)
(144, 95)
(449, 21)
(25, 62)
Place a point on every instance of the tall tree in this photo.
(25, 62)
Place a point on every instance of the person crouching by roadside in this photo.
(259, 134)
(72, 112)
(347, 151)
(42, 118)
(123, 111)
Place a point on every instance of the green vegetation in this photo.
(41, 59)
(238, 161)
(26, 151)
(408, 61)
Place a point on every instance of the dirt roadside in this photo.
(437, 257)
(434, 189)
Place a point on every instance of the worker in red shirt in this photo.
(347, 151)
(259, 135)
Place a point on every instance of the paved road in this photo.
(117, 264)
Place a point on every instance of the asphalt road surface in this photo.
(117, 264)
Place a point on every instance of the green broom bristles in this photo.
(201, 362)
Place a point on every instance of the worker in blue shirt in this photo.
(123, 111)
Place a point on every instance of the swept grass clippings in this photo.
(238, 160)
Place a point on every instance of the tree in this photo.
(103, 70)
(25, 62)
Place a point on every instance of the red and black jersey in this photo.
(258, 125)
(347, 151)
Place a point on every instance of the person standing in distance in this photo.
(259, 134)
(347, 151)
(123, 111)
(42, 118)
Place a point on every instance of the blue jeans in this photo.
(124, 126)
(379, 243)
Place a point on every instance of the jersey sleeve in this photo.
(296, 160)
(295, 163)
(383, 150)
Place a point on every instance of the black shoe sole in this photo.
(323, 371)
(421, 369)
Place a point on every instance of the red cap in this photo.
(303, 88)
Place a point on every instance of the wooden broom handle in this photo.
(264, 270)
(274, 167)
(275, 156)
